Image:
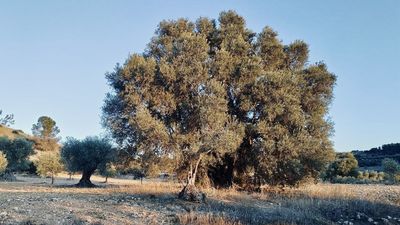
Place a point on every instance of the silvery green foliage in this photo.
(209, 89)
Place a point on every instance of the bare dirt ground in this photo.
(32, 200)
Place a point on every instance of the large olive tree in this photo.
(216, 95)
(86, 156)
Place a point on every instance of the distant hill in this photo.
(374, 156)
(12, 133)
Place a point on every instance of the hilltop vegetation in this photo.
(374, 156)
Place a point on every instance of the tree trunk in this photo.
(52, 179)
(106, 179)
(192, 194)
(85, 180)
(190, 191)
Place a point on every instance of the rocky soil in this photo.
(33, 201)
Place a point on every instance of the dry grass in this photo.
(124, 201)
(205, 219)
(312, 204)
(11, 133)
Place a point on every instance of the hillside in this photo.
(12, 133)
(374, 156)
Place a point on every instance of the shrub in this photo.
(353, 180)
(366, 174)
(381, 176)
(3, 162)
(373, 175)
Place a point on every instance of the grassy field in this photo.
(32, 200)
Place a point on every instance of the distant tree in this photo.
(392, 168)
(7, 119)
(215, 95)
(108, 170)
(17, 152)
(3, 163)
(49, 164)
(46, 131)
(393, 148)
(86, 156)
(345, 164)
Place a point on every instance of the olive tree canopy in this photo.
(86, 156)
(207, 91)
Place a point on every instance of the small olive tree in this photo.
(49, 164)
(108, 170)
(392, 168)
(3, 163)
(345, 165)
(86, 156)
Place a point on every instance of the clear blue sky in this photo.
(53, 56)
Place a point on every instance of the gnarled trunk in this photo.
(85, 180)
(190, 191)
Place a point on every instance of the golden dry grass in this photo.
(11, 133)
(205, 219)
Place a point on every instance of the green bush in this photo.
(381, 176)
(363, 177)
